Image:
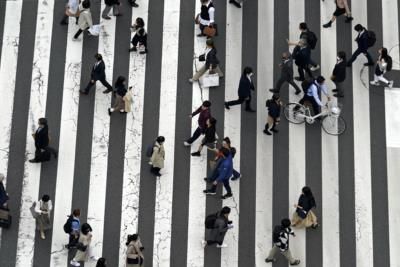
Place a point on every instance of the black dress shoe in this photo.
(33, 161)
(227, 106)
(272, 90)
(133, 4)
(250, 110)
(338, 95)
(133, 49)
(298, 79)
(267, 132)
(83, 92)
(297, 92)
(196, 154)
(236, 4)
(335, 90)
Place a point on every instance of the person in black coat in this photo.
(339, 74)
(286, 74)
(3, 194)
(244, 91)
(41, 137)
(98, 74)
(274, 112)
(302, 56)
(362, 42)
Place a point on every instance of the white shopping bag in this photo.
(209, 80)
(95, 30)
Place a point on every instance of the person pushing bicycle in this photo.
(312, 91)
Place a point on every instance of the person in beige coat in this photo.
(85, 19)
(128, 100)
(158, 156)
(134, 255)
(83, 252)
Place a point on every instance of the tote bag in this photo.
(209, 80)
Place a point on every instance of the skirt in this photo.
(119, 103)
(308, 221)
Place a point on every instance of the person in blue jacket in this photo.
(362, 42)
(246, 85)
(225, 171)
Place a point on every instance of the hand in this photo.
(92, 81)
(295, 205)
(215, 183)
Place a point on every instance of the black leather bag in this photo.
(81, 247)
(202, 57)
(5, 218)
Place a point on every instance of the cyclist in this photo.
(312, 94)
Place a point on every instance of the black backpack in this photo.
(371, 37)
(312, 39)
(389, 62)
(68, 224)
(210, 220)
(276, 234)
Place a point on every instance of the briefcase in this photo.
(209, 80)
(5, 218)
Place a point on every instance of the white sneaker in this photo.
(391, 84)
(186, 144)
(374, 83)
(222, 246)
(203, 243)
(314, 68)
(74, 263)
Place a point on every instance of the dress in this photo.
(133, 252)
(43, 210)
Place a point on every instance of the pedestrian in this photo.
(114, 4)
(225, 171)
(83, 252)
(140, 37)
(303, 215)
(134, 255)
(274, 106)
(280, 238)
(3, 193)
(206, 16)
(226, 142)
(101, 262)
(157, 156)
(210, 136)
(342, 8)
(204, 114)
(71, 10)
(211, 62)
(302, 57)
(220, 225)
(236, 3)
(246, 85)
(316, 87)
(43, 210)
(383, 65)
(133, 3)
(85, 19)
(311, 41)
(41, 136)
(363, 44)
(286, 74)
(72, 227)
(98, 74)
(339, 74)
(120, 92)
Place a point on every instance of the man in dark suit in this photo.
(41, 137)
(286, 74)
(244, 92)
(339, 74)
(362, 42)
(302, 56)
(98, 74)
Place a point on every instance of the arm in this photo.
(314, 92)
(155, 150)
(197, 111)
(346, 6)
(211, 12)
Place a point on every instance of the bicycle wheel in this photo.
(295, 113)
(334, 125)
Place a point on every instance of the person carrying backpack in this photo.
(383, 65)
(274, 106)
(71, 227)
(365, 39)
(313, 89)
(157, 156)
(218, 224)
(280, 238)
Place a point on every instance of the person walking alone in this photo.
(339, 74)
(121, 91)
(98, 74)
(244, 92)
(114, 4)
(363, 45)
(158, 156)
(206, 16)
(134, 255)
(220, 226)
(3, 194)
(204, 114)
(342, 8)
(303, 215)
(280, 238)
(274, 106)
(383, 65)
(140, 37)
(42, 140)
(43, 209)
(286, 74)
(85, 19)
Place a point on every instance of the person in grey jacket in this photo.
(221, 226)
(85, 19)
(286, 74)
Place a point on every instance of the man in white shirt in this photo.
(312, 94)
(206, 16)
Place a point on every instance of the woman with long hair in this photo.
(303, 215)
(383, 65)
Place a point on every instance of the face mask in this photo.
(338, 58)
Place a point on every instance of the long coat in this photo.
(85, 240)
(220, 228)
(245, 86)
(158, 156)
(41, 137)
(85, 19)
(133, 251)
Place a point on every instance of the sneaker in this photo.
(296, 262)
(209, 192)
(314, 68)
(391, 84)
(267, 132)
(203, 243)
(270, 260)
(374, 83)
(327, 25)
(223, 245)
(186, 143)
(106, 17)
(74, 263)
(235, 178)
(195, 154)
(226, 105)
(227, 195)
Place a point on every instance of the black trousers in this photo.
(103, 82)
(357, 53)
(226, 185)
(339, 87)
(72, 241)
(316, 107)
(195, 135)
(79, 32)
(282, 81)
(301, 70)
(139, 39)
(240, 101)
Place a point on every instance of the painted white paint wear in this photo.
(37, 109)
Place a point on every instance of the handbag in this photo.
(80, 246)
(95, 30)
(302, 213)
(210, 31)
(209, 80)
(202, 57)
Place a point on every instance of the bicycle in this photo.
(332, 122)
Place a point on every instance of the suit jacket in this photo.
(287, 70)
(245, 85)
(42, 137)
(212, 59)
(339, 72)
(98, 72)
(362, 41)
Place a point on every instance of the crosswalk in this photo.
(102, 169)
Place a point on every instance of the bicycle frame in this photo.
(311, 119)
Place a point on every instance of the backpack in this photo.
(68, 224)
(371, 38)
(276, 234)
(389, 62)
(312, 39)
(305, 85)
(210, 220)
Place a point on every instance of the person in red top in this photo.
(204, 115)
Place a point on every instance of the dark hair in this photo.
(160, 139)
(247, 70)
(224, 151)
(98, 56)
(303, 26)
(320, 79)
(119, 81)
(210, 42)
(384, 52)
(86, 4)
(285, 223)
(307, 191)
(206, 104)
(76, 212)
(43, 121)
(358, 27)
(131, 238)
(86, 228)
(342, 55)
(226, 210)
(275, 96)
(227, 140)
(45, 198)
(139, 22)
(101, 262)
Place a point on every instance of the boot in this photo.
(273, 129)
(266, 130)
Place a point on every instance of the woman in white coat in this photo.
(85, 19)
(83, 252)
(43, 209)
